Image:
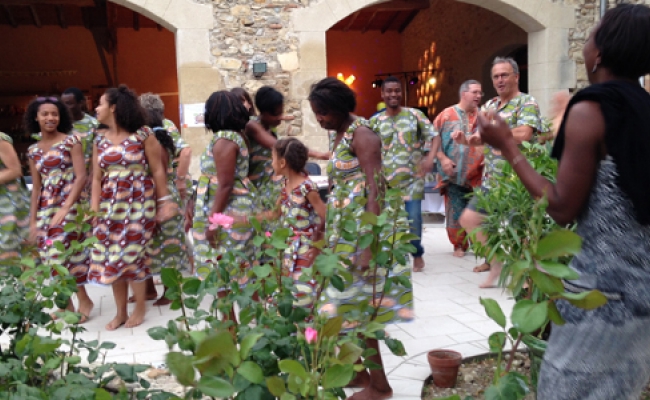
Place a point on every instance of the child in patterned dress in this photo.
(299, 208)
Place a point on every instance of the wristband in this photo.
(517, 159)
(164, 198)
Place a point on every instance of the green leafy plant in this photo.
(39, 362)
(535, 253)
(276, 348)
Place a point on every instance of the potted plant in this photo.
(535, 253)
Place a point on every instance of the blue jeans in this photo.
(414, 210)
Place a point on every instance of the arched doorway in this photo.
(546, 25)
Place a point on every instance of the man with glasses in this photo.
(460, 167)
(406, 136)
(521, 112)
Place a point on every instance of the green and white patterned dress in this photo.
(344, 171)
(240, 203)
(85, 130)
(169, 246)
(14, 213)
(261, 174)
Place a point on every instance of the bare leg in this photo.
(471, 221)
(379, 388)
(152, 293)
(120, 292)
(139, 291)
(85, 304)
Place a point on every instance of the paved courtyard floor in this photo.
(447, 307)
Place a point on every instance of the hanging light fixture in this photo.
(413, 80)
(377, 83)
(432, 80)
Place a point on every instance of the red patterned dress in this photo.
(299, 215)
(127, 211)
(57, 178)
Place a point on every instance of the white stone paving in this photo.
(448, 315)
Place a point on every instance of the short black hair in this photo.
(77, 93)
(267, 99)
(65, 119)
(623, 38)
(294, 152)
(390, 79)
(332, 95)
(224, 111)
(129, 114)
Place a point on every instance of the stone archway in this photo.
(546, 22)
(191, 23)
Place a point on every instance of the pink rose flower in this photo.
(218, 219)
(311, 335)
(48, 242)
(268, 234)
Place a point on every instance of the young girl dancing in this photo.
(299, 208)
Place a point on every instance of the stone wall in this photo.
(248, 31)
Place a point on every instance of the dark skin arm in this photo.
(257, 132)
(583, 150)
(35, 199)
(366, 145)
(224, 153)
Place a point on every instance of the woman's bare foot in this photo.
(54, 315)
(136, 318)
(459, 253)
(116, 323)
(85, 308)
(372, 393)
(491, 280)
(482, 268)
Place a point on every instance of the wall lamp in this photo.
(259, 69)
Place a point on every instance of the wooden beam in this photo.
(136, 21)
(351, 22)
(400, 5)
(408, 20)
(37, 21)
(159, 27)
(79, 3)
(390, 21)
(60, 14)
(9, 15)
(372, 18)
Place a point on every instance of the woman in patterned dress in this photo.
(130, 194)
(603, 178)
(58, 170)
(168, 248)
(224, 187)
(354, 170)
(14, 202)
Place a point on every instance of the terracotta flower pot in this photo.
(444, 367)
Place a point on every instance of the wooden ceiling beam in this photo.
(35, 18)
(136, 21)
(60, 14)
(351, 22)
(390, 21)
(408, 20)
(79, 3)
(400, 5)
(10, 16)
(372, 18)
